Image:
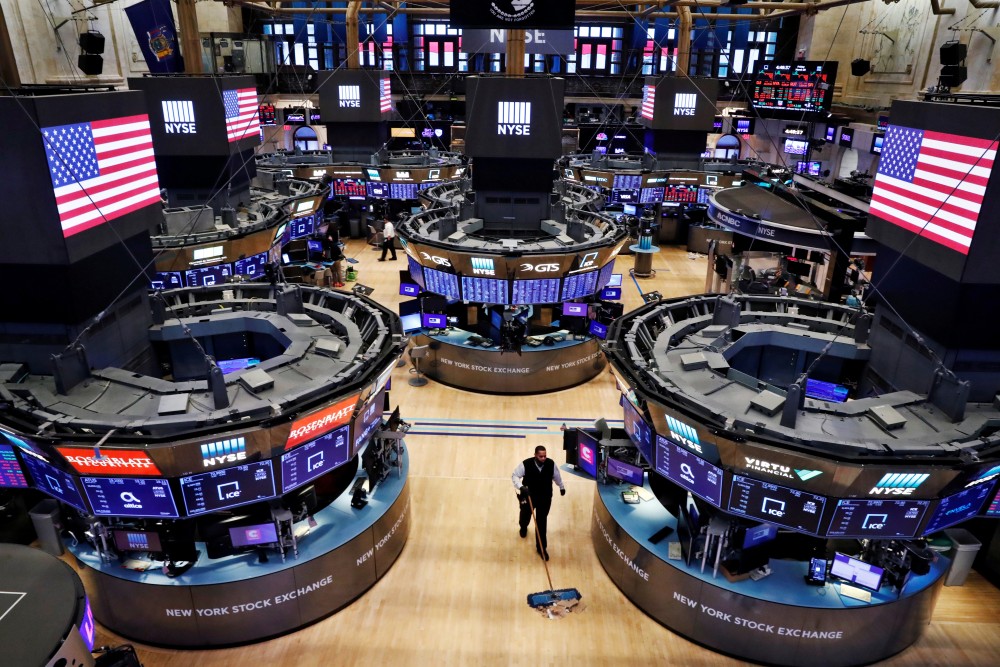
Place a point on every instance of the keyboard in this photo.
(856, 593)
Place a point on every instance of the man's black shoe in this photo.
(523, 532)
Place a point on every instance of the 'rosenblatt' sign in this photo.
(322, 421)
(112, 462)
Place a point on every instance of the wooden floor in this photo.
(456, 596)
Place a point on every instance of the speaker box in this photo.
(92, 42)
(90, 63)
(953, 53)
(953, 75)
(860, 67)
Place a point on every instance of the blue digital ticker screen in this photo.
(379, 190)
(579, 285)
(825, 391)
(626, 182)
(688, 471)
(597, 329)
(638, 430)
(543, 290)
(439, 282)
(11, 474)
(877, 518)
(604, 275)
(252, 266)
(403, 190)
(484, 290)
(300, 227)
(130, 496)
(782, 505)
(958, 507)
(207, 275)
(229, 487)
(650, 195)
(317, 457)
(416, 271)
(54, 482)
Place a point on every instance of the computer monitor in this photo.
(574, 309)
(758, 535)
(409, 289)
(611, 293)
(434, 320)
(616, 280)
(136, 540)
(410, 322)
(597, 329)
(857, 572)
(626, 472)
(255, 535)
(587, 448)
(825, 391)
(628, 209)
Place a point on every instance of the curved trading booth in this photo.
(502, 304)
(253, 486)
(795, 488)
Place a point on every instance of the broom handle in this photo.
(538, 542)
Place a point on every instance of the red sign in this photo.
(322, 421)
(112, 462)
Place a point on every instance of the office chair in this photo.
(418, 352)
(374, 237)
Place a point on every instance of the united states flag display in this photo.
(385, 95)
(100, 170)
(648, 102)
(933, 184)
(242, 120)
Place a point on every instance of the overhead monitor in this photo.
(130, 496)
(317, 457)
(869, 519)
(638, 429)
(351, 96)
(11, 474)
(228, 487)
(514, 118)
(846, 137)
(796, 146)
(688, 471)
(587, 447)
(679, 103)
(878, 140)
(53, 481)
(773, 503)
(958, 507)
(798, 87)
(744, 125)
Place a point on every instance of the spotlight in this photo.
(860, 67)
(91, 47)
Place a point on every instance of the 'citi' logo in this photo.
(685, 103)
(514, 118)
(178, 117)
(350, 97)
(898, 484)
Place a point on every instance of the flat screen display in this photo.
(572, 309)
(439, 282)
(688, 471)
(624, 197)
(857, 572)
(130, 496)
(229, 487)
(351, 188)
(579, 285)
(228, 366)
(615, 280)
(586, 452)
(831, 134)
(958, 507)
(251, 536)
(800, 86)
(812, 168)
(484, 290)
(626, 182)
(846, 137)
(434, 320)
(365, 422)
(787, 507)
(416, 271)
(825, 391)
(208, 275)
(403, 190)
(409, 289)
(411, 322)
(595, 328)
(758, 535)
(54, 482)
(167, 280)
(796, 146)
(307, 462)
(650, 196)
(877, 518)
(136, 540)
(681, 193)
(743, 125)
(252, 266)
(626, 472)
(638, 430)
(542, 290)
(877, 141)
(611, 293)
(11, 474)
(379, 190)
(300, 227)
(604, 276)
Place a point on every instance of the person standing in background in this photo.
(388, 240)
(533, 478)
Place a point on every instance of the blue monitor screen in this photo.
(628, 209)
(439, 282)
(544, 290)
(409, 289)
(365, 422)
(484, 290)
(307, 462)
(757, 535)
(207, 275)
(877, 518)
(638, 430)
(626, 181)
(251, 536)
(416, 271)
(688, 471)
(229, 487)
(958, 507)
(54, 482)
(791, 508)
(434, 320)
(626, 472)
(228, 366)
(586, 452)
(252, 266)
(611, 293)
(574, 309)
(11, 474)
(831, 133)
(130, 496)
(300, 227)
(624, 197)
(410, 322)
(379, 190)
(167, 280)
(598, 329)
(825, 391)
(579, 285)
(650, 195)
(615, 281)
(857, 572)
(403, 190)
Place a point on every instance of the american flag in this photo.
(101, 170)
(648, 102)
(933, 184)
(385, 95)
(242, 121)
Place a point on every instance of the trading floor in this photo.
(457, 594)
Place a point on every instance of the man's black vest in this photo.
(539, 481)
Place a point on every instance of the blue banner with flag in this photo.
(153, 24)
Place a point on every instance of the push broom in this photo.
(552, 596)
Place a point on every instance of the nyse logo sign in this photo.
(514, 118)
(898, 484)
(685, 104)
(350, 97)
(482, 266)
(178, 117)
(231, 450)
